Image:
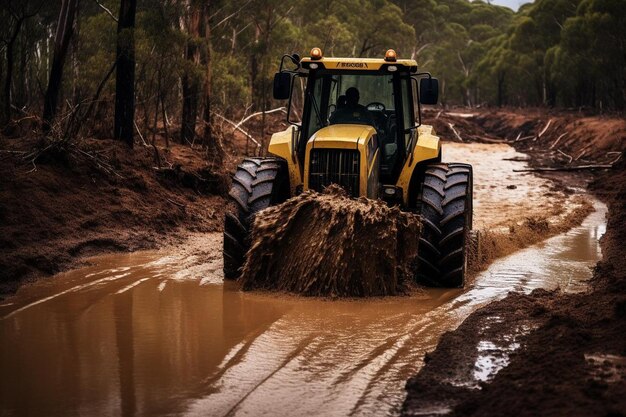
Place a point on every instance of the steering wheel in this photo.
(376, 106)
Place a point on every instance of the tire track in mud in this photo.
(204, 347)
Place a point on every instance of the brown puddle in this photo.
(148, 334)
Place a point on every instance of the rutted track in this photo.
(150, 333)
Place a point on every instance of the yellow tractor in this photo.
(360, 129)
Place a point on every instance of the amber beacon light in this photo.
(316, 53)
(390, 55)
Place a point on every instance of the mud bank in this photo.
(496, 243)
(564, 353)
(97, 197)
(332, 245)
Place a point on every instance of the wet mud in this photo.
(329, 244)
(548, 352)
(149, 334)
(160, 333)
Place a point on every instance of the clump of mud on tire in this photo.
(328, 244)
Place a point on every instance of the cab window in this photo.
(407, 109)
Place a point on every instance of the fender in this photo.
(282, 145)
(427, 147)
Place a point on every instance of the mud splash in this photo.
(331, 245)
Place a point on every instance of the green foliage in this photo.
(551, 52)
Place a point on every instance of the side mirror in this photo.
(282, 85)
(429, 90)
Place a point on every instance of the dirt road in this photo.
(160, 333)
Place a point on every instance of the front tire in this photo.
(445, 203)
(257, 184)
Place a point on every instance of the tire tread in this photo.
(446, 208)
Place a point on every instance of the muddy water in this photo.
(499, 193)
(150, 334)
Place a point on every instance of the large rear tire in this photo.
(257, 184)
(445, 203)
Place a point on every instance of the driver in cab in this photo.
(352, 112)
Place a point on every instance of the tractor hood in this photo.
(342, 136)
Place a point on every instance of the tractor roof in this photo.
(362, 64)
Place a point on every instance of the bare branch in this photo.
(455, 132)
(557, 140)
(103, 7)
(244, 120)
(421, 48)
(140, 135)
(566, 168)
(543, 130)
(258, 145)
(565, 155)
(227, 18)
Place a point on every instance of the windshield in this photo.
(372, 88)
(350, 98)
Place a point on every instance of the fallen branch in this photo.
(557, 140)
(524, 138)
(581, 154)
(490, 140)
(8, 151)
(139, 133)
(544, 129)
(455, 132)
(21, 110)
(583, 151)
(32, 156)
(613, 162)
(517, 159)
(519, 135)
(565, 155)
(25, 118)
(99, 162)
(258, 114)
(34, 167)
(258, 145)
(175, 203)
(574, 168)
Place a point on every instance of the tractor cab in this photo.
(343, 93)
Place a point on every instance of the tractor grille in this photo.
(335, 166)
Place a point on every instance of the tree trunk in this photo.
(191, 85)
(6, 113)
(125, 75)
(20, 99)
(65, 29)
(501, 87)
(211, 142)
(208, 134)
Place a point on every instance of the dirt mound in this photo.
(331, 245)
(557, 137)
